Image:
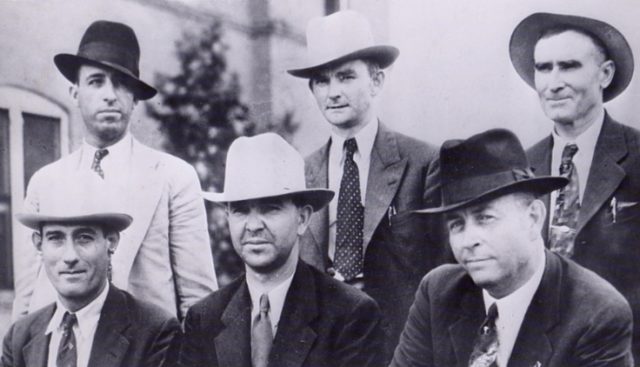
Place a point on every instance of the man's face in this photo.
(265, 231)
(570, 75)
(493, 242)
(345, 94)
(76, 259)
(106, 101)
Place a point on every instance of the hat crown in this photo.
(111, 42)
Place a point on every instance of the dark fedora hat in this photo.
(111, 45)
(528, 32)
(485, 166)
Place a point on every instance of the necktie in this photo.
(261, 335)
(67, 354)
(348, 257)
(562, 232)
(95, 165)
(485, 347)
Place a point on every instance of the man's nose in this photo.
(334, 90)
(555, 81)
(254, 221)
(469, 238)
(69, 256)
(109, 91)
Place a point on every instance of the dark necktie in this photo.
(348, 257)
(562, 232)
(67, 350)
(261, 335)
(485, 347)
(95, 165)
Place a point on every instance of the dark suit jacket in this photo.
(130, 333)
(400, 249)
(611, 249)
(323, 323)
(575, 319)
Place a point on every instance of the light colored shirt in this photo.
(586, 143)
(115, 165)
(512, 309)
(276, 295)
(84, 330)
(337, 154)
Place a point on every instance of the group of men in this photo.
(336, 247)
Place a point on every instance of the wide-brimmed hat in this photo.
(486, 166)
(111, 45)
(339, 37)
(526, 34)
(266, 166)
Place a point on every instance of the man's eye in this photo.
(543, 67)
(454, 226)
(320, 81)
(485, 218)
(83, 238)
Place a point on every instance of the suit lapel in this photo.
(316, 168)
(35, 353)
(605, 174)
(233, 343)
(540, 160)
(532, 344)
(462, 332)
(295, 336)
(110, 343)
(385, 174)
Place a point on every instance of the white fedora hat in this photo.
(339, 37)
(266, 166)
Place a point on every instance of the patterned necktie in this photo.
(67, 353)
(95, 165)
(562, 232)
(348, 257)
(261, 335)
(485, 347)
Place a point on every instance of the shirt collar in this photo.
(117, 152)
(364, 139)
(88, 316)
(277, 296)
(587, 139)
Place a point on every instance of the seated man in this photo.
(282, 311)
(508, 301)
(92, 323)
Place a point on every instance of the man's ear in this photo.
(607, 71)
(36, 238)
(113, 238)
(73, 92)
(377, 82)
(538, 214)
(304, 213)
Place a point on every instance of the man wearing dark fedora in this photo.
(508, 301)
(91, 322)
(576, 64)
(282, 312)
(164, 257)
(367, 236)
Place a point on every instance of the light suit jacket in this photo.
(608, 246)
(164, 257)
(400, 246)
(129, 333)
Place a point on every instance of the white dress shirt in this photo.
(586, 143)
(84, 330)
(276, 295)
(116, 164)
(512, 309)
(337, 153)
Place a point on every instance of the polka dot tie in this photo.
(67, 350)
(100, 153)
(485, 346)
(562, 232)
(348, 259)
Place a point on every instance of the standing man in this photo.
(577, 64)
(165, 256)
(283, 312)
(92, 322)
(367, 237)
(509, 301)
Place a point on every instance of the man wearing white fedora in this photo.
(165, 256)
(91, 322)
(367, 236)
(576, 64)
(282, 312)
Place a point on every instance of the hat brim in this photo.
(536, 185)
(526, 34)
(384, 55)
(317, 198)
(116, 221)
(69, 64)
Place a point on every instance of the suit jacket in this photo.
(610, 248)
(575, 319)
(164, 257)
(130, 333)
(399, 249)
(323, 323)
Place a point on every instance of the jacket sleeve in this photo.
(192, 348)
(7, 359)
(165, 348)
(360, 341)
(189, 244)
